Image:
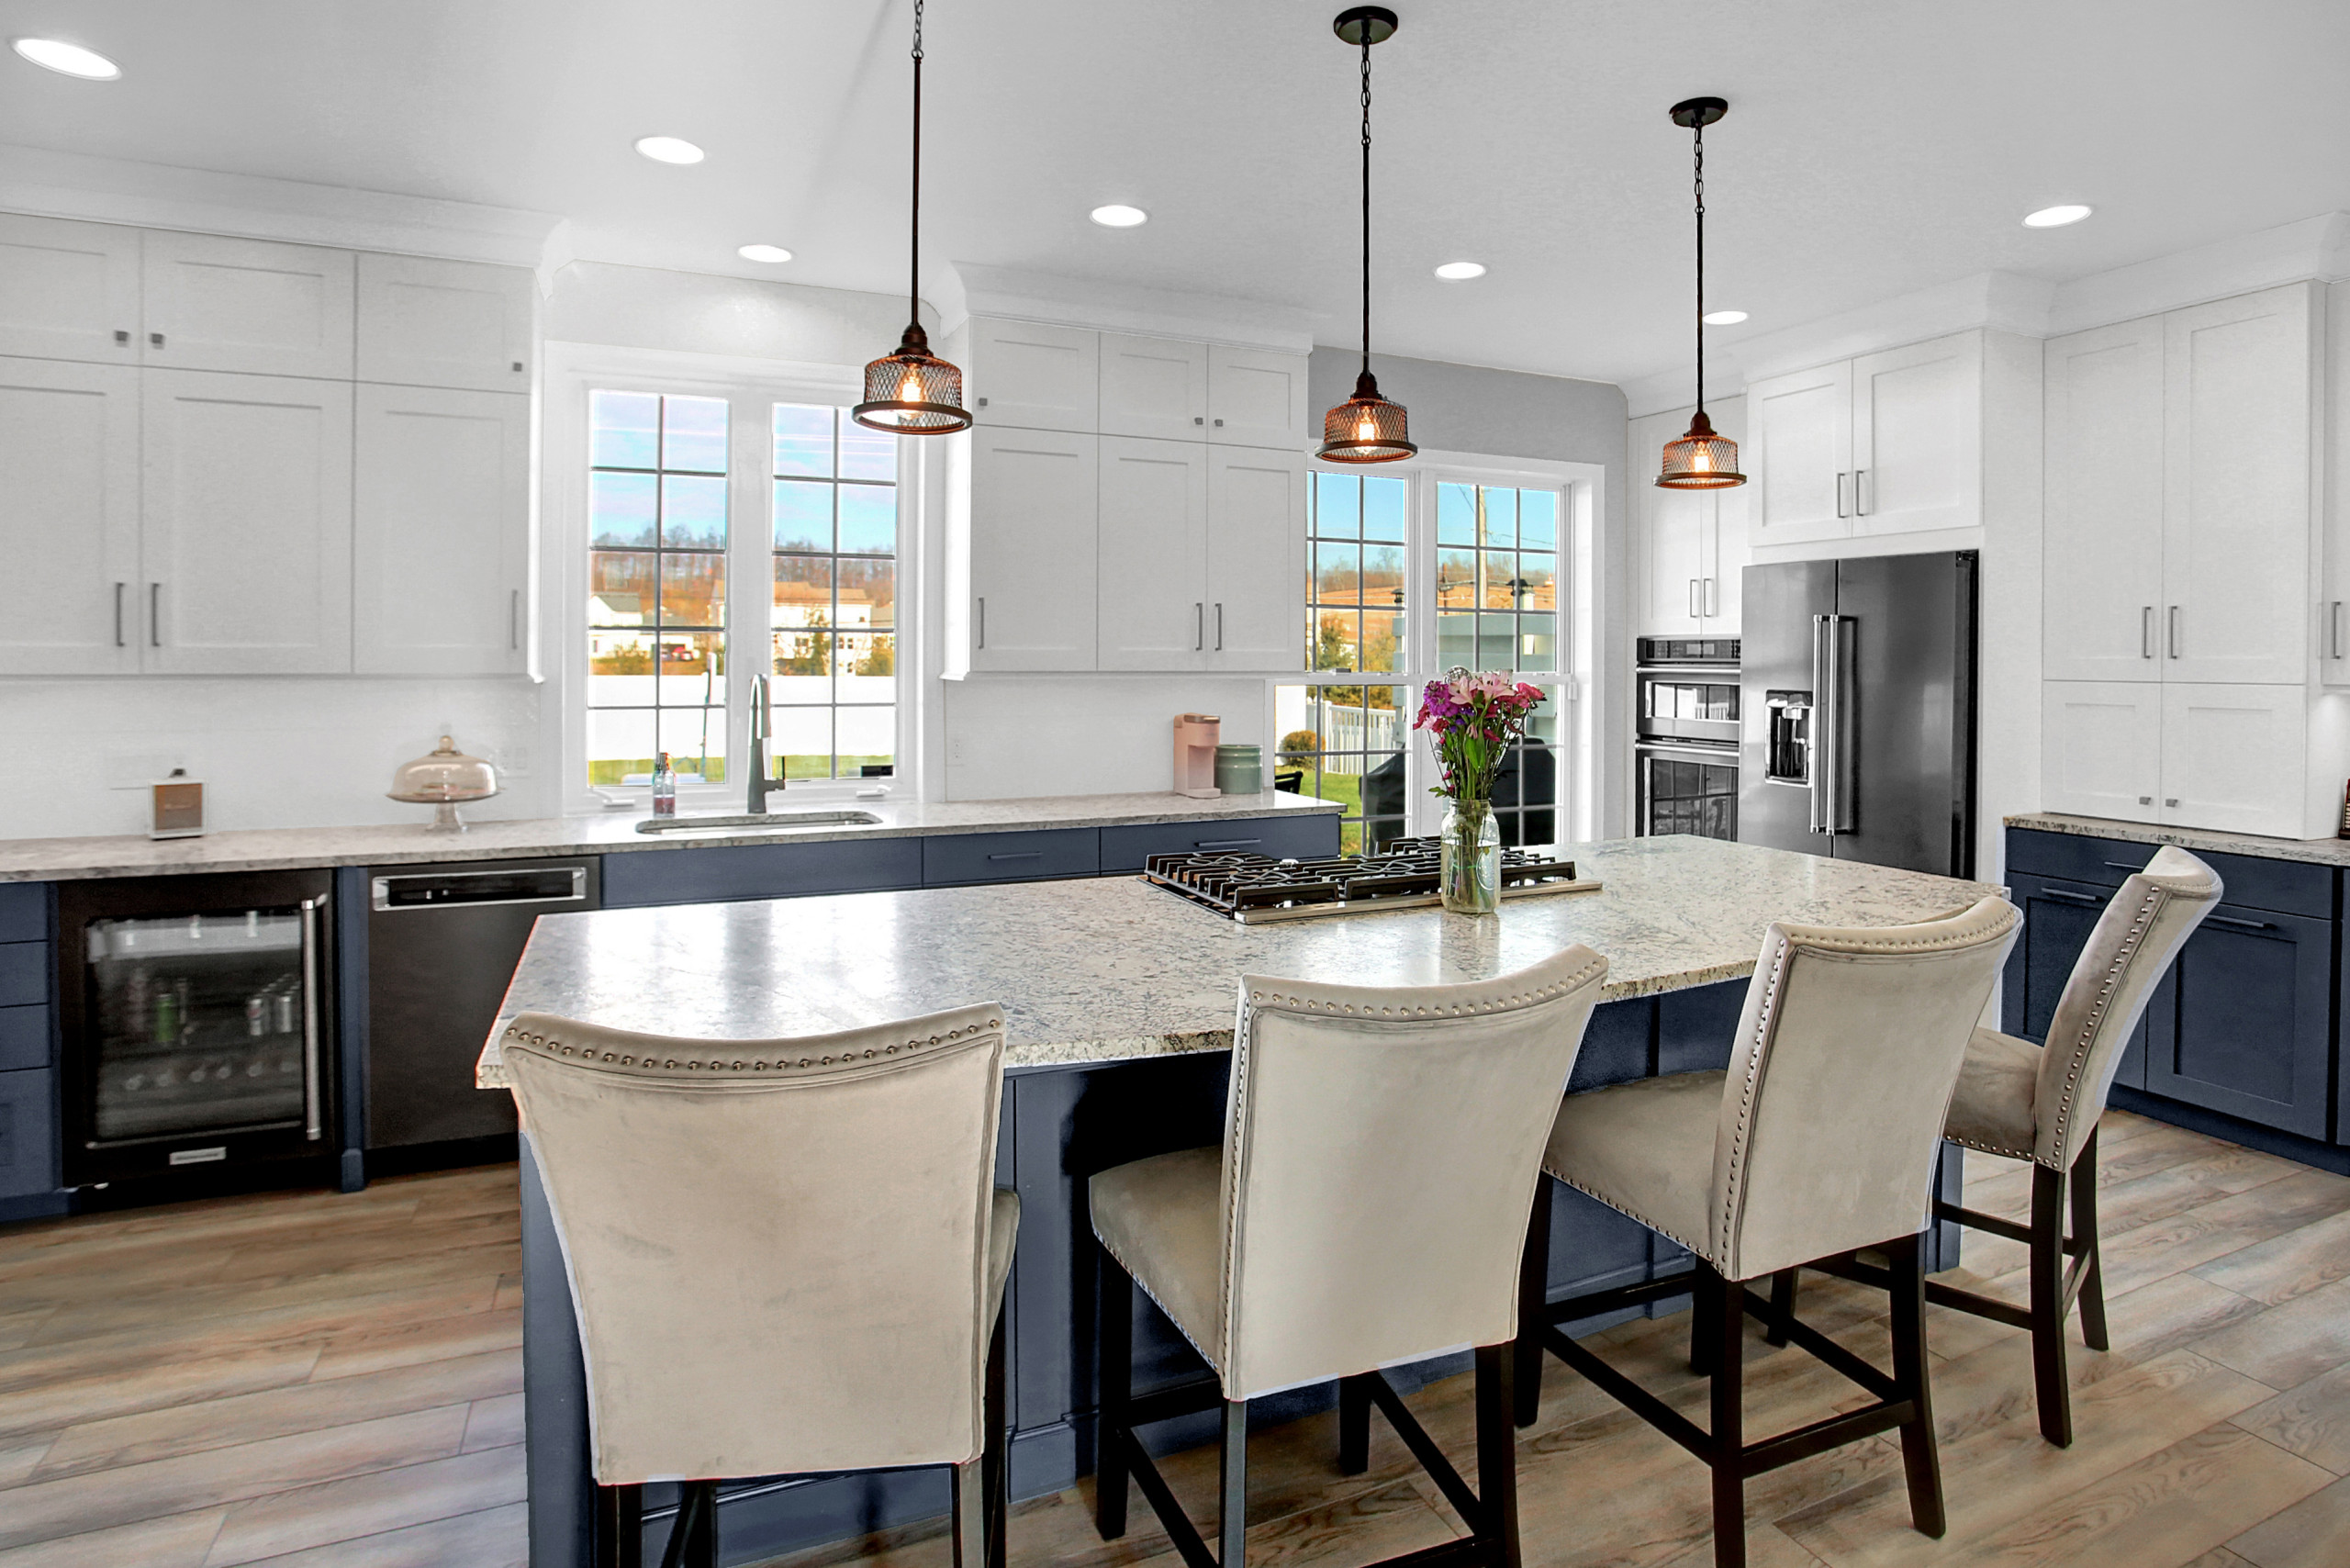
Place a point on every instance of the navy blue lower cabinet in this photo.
(965, 858)
(24, 912)
(24, 974)
(23, 1037)
(2057, 919)
(1295, 836)
(27, 1133)
(2245, 1022)
(728, 871)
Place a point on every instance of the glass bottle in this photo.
(665, 786)
(1469, 877)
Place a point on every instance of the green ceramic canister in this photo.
(1239, 769)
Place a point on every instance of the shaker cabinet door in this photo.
(1917, 437)
(1035, 499)
(247, 305)
(1034, 377)
(2102, 540)
(246, 542)
(2244, 1024)
(1256, 560)
(440, 532)
(1798, 455)
(69, 290)
(1151, 606)
(1257, 397)
(2234, 758)
(2101, 749)
(69, 517)
(1154, 386)
(435, 323)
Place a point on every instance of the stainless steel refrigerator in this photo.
(1857, 709)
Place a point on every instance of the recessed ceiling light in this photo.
(1724, 317)
(772, 254)
(68, 59)
(1461, 272)
(668, 150)
(2056, 217)
(1117, 215)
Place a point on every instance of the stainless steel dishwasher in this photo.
(443, 942)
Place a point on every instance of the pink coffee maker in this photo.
(1196, 740)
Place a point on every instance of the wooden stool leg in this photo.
(1783, 1305)
(1533, 1302)
(619, 1527)
(1726, 1321)
(2053, 1393)
(1113, 1324)
(995, 1458)
(1910, 1373)
(693, 1534)
(2083, 1182)
(1497, 1453)
(1705, 1322)
(1354, 1425)
(1232, 1490)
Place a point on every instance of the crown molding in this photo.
(159, 195)
(971, 289)
(2007, 302)
(2315, 247)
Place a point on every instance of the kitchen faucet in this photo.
(760, 782)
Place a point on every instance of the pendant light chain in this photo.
(1704, 459)
(1366, 198)
(913, 283)
(1700, 185)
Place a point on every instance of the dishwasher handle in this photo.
(471, 890)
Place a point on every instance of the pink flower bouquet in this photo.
(1475, 719)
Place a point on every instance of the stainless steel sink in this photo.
(766, 821)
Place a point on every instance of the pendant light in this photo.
(1700, 459)
(1365, 428)
(912, 391)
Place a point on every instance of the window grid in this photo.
(833, 624)
(658, 533)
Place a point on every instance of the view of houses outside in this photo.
(832, 690)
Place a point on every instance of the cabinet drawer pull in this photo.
(2242, 924)
(2124, 864)
(2063, 897)
(1019, 855)
(1225, 843)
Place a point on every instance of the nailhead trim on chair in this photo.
(2082, 1042)
(589, 1056)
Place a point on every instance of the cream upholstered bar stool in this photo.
(1368, 1207)
(786, 1256)
(1819, 1141)
(2043, 1105)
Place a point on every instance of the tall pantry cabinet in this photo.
(2186, 656)
(228, 456)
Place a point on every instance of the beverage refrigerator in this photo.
(197, 1022)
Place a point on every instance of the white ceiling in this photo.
(1874, 147)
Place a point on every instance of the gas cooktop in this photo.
(1255, 889)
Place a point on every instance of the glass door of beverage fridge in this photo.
(197, 1036)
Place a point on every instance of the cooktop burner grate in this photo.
(1251, 888)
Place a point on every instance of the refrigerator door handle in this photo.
(1816, 745)
(1844, 758)
(313, 1090)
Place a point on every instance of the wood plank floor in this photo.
(318, 1380)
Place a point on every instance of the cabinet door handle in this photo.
(2146, 632)
(1713, 605)
(1219, 626)
(154, 615)
(2143, 801)
(2061, 896)
(2242, 924)
(1693, 611)
(983, 621)
(1201, 418)
(1860, 507)
(2333, 628)
(1219, 424)
(1839, 495)
(117, 615)
(983, 402)
(1199, 625)
(156, 339)
(2174, 631)
(514, 619)
(123, 338)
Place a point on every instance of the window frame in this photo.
(1579, 489)
(574, 371)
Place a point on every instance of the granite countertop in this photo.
(2316, 851)
(1116, 968)
(609, 833)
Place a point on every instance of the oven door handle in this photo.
(313, 1090)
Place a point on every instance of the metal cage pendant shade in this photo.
(1365, 428)
(912, 391)
(1700, 459)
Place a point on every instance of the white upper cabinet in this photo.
(1154, 386)
(433, 323)
(1257, 397)
(1689, 546)
(1151, 609)
(247, 305)
(2334, 607)
(1034, 503)
(2102, 408)
(1798, 455)
(440, 531)
(69, 517)
(69, 290)
(2101, 749)
(1034, 377)
(1917, 437)
(2236, 522)
(246, 507)
(1256, 560)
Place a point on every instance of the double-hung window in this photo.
(794, 506)
(1410, 575)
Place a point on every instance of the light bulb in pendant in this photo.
(1366, 429)
(1700, 463)
(910, 389)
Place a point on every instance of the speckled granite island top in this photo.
(1116, 968)
(2314, 851)
(609, 833)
